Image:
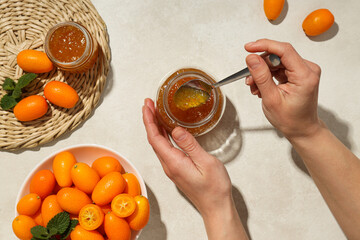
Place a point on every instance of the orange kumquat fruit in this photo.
(84, 177)
(49, 208)
(29, 204)
(116, 228)
(107, 188)
(72, 200)
(42, 183)
(31, 108)
(91, 217)
(61, 94)
(22, 225)
(273, 8)
(62, 164)
(140, 217)
(34, 61)
(79, 233)
(132, 184)
(105, 165)
(38, 218)
(318, 22)
(123, 205)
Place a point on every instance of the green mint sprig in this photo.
(14, 90)
(59, 226)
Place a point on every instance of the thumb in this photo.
(261, 75)
(188, 144)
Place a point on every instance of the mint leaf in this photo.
(10, 100)
(25, 79)
(73, 224)
(7, 102)
(59, 227)
(9, 84)
(17, 92)
(60, 222)
(39, 232)
(52, 231)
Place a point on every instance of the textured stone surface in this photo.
(275, 196)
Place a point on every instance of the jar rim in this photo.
(88, 47)
(198, 74)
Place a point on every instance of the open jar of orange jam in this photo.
(70, 46)
(197, 120)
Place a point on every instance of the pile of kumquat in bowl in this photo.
(82, 192)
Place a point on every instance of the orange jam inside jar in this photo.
(71, 47)
(197, 120)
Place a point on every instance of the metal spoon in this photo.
(196, 92)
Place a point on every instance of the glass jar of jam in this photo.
(70, 46)
(197, 120)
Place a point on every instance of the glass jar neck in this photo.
(195, 75)
(89, 47)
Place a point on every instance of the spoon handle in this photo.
(274, 61)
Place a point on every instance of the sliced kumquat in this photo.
(123, 205)
(91, 217)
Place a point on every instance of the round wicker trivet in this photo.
(23, 25)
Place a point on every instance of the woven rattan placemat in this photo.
(23, 25)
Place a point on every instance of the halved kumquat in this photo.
(91, 217)
(123, 205)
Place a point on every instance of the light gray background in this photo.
(274, 194)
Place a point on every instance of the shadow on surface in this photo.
(329, 34)
(283, 14)
(239, 204)
(338, 127)
(155, 229)
(225, 140)
(241, 209)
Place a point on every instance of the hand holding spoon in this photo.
(196, 92)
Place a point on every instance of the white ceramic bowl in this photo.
(86, 153)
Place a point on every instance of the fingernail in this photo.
(253, 62)
(247, 80)
(179, 134)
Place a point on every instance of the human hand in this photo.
(199, 175)
(290, 105)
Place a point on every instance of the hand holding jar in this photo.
(199, 175)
